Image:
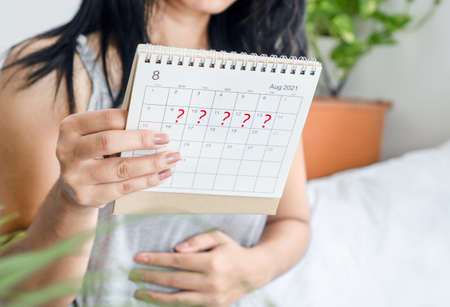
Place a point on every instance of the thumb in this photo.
(201, 242)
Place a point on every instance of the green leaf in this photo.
(327, 8)
(45, 295)
(381, 38)
(8, 218)
(393, 22)
(348, 7)
(345, 55)
(367, 7)
(342, 26)
(16, 268)
(7, 241)
(349, 21)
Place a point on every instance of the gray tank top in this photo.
(114, 250)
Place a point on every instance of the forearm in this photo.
(57, 220)
(282, 244)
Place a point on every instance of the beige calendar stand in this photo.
(167, 202)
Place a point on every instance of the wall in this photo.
(20, 19)
(415, 75)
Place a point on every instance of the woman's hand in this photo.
(217, 277)
(91, 180)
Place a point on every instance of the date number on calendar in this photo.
(155, 75)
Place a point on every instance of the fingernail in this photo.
(173, 157)
(165, 174)
(183, 245)
(141, 258)
(160, 139)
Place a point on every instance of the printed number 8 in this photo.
(155, 75)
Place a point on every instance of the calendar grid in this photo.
(184, 125)
(265, 151)
(140, 115)
(229, 143)
(243, 152)
(208, 90)
(193, 157)
(164, 113)
(278, 113)
(230, 157)
(201, 146)
(169, 181)
(221, 153)
(290, 136)
(212, 174)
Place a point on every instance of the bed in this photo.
(380, 237)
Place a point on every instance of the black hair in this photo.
(252, 26)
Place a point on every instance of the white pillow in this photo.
(380, 237)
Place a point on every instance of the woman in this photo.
(60, 168)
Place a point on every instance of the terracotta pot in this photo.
(341, 134)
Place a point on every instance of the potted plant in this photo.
(343, 133)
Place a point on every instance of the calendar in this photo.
(236, 119)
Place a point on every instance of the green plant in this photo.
(357, 26)
(18, 267)
(14, 269)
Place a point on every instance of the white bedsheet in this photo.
(380, 237)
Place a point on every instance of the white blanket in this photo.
(380, 237)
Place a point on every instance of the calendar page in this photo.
(235, 119)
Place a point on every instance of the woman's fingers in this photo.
(86, 138)
(181, 299)
(177, 280)
(120, 169)
(101, 194)
(115, 141)
(203, 241)
(95, 121)
(119, 189)
(104, 193)
(187, 261)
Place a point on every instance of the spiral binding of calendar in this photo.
(229, 60)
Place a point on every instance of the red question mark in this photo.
(228, 115)
(248, 117)
(203, 115)
(181, 114)
(269, 117)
